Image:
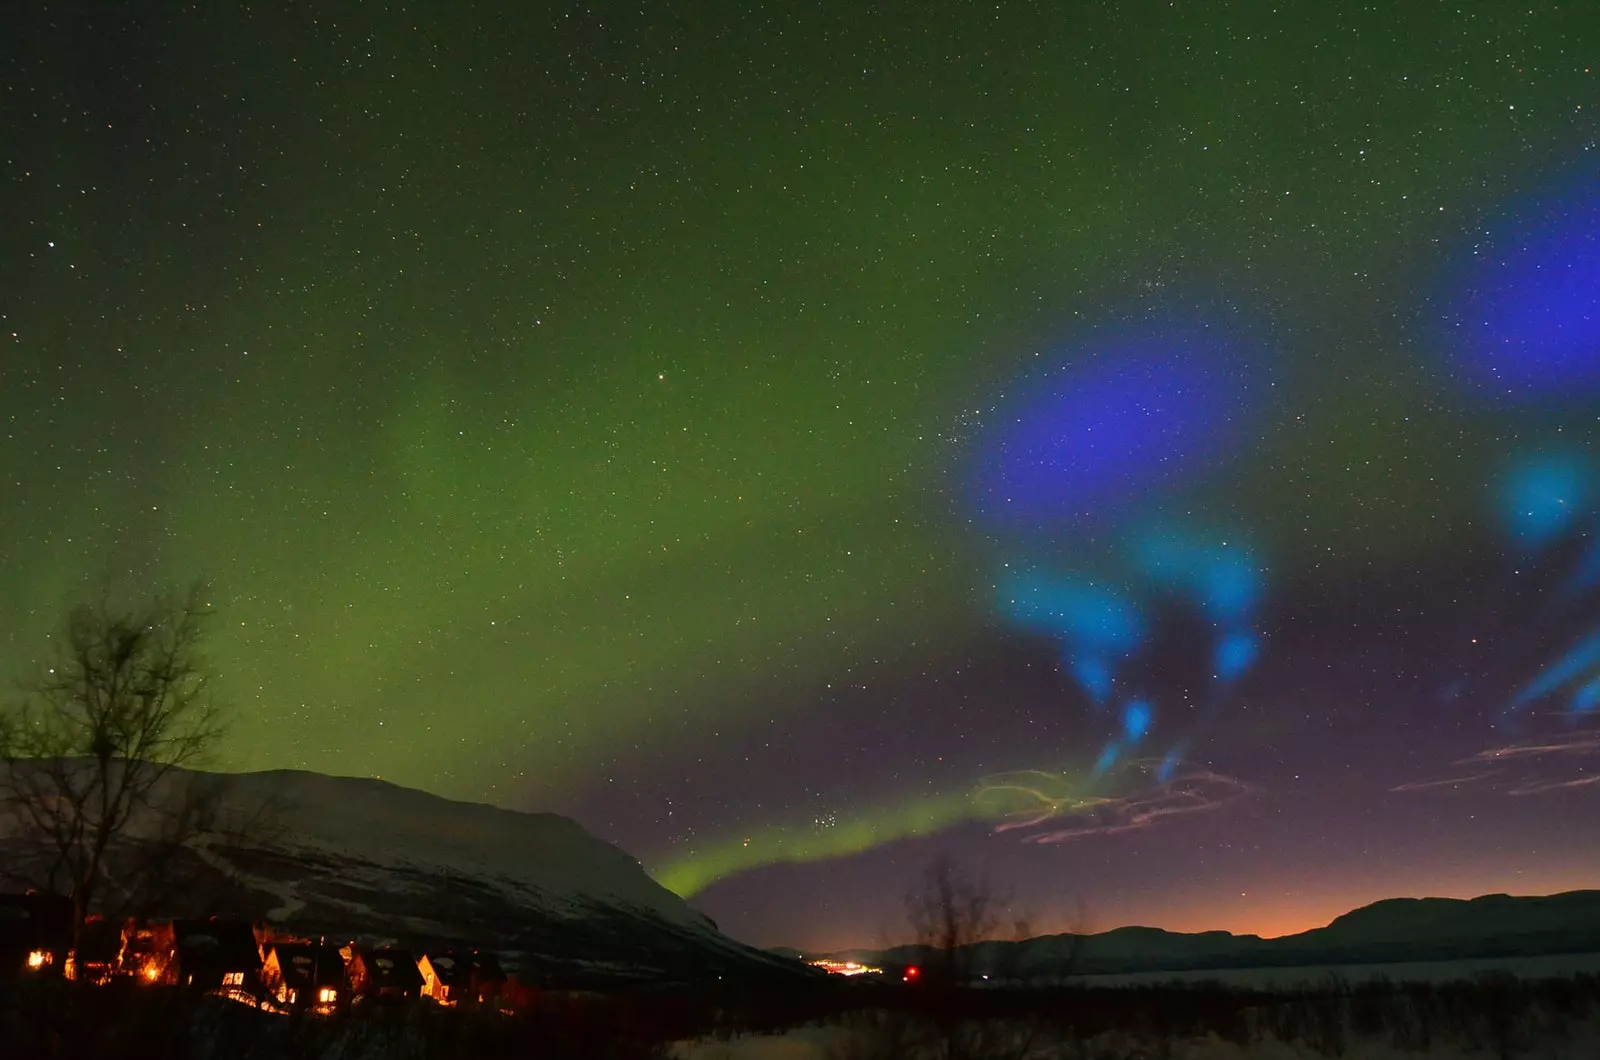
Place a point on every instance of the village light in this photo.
(38, 959)
(847, 968)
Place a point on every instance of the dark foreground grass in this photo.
(1491, 1016)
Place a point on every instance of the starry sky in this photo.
(1145, 450)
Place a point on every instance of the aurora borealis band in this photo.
(1146, 450)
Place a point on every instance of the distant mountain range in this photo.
(359, 858)
(1397, 929)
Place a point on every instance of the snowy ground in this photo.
(1531, 968)
(1539, 1027)
(834, 1043)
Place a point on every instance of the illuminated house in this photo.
(306, 975)
(215, 954)
(99, 952)
(382, 974)
(35, 934)
(454, 978)
(149, 952)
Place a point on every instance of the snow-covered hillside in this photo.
(355, 857)
(547, 859)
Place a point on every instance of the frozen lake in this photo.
(1540, 967)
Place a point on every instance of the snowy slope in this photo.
(547, 858)
(360, 858)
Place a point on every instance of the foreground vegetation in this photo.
(1497, 1018)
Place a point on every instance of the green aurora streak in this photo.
(1030, 794)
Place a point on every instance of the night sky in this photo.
(1145, 450)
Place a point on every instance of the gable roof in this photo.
(455, 968)
(390, 968)
(306, 965)
(101, 941)
(220, 945)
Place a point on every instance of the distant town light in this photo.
(833, 967)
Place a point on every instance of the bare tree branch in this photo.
(948, 915)
(88, 756)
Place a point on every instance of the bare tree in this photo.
(949, 914)
(952, 916)
(90, 754)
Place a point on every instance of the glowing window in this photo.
(233, 979)
(327, 995)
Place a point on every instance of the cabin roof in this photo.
(101, 941)
(222, 945)
(454, 967)
(305, 964)
(389, 967)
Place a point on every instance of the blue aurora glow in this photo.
(1100, 628)
(1091, 450)
(1096, 625)
(1107, 759)
(1221, 577)
(1543, 498)
(1128, 415)
(1587, 698)
(1586, 575)
(1522, 323)
(1235, 654)
(1580, 659)
(1136, 720)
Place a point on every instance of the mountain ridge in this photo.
(1389, 930)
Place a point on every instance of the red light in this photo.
(913, 973)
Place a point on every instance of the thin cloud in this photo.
(1037, 801)
(1540, 787)
(1553, 762)
(1447, 782)
(1576, 743)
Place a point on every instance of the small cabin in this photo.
(149, 952)
(99, 951)
(382, 974)
(306, 975)
(215, 954)
(454, 977)
(35, 934)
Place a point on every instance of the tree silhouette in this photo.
(949, 913)
(92, 757)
